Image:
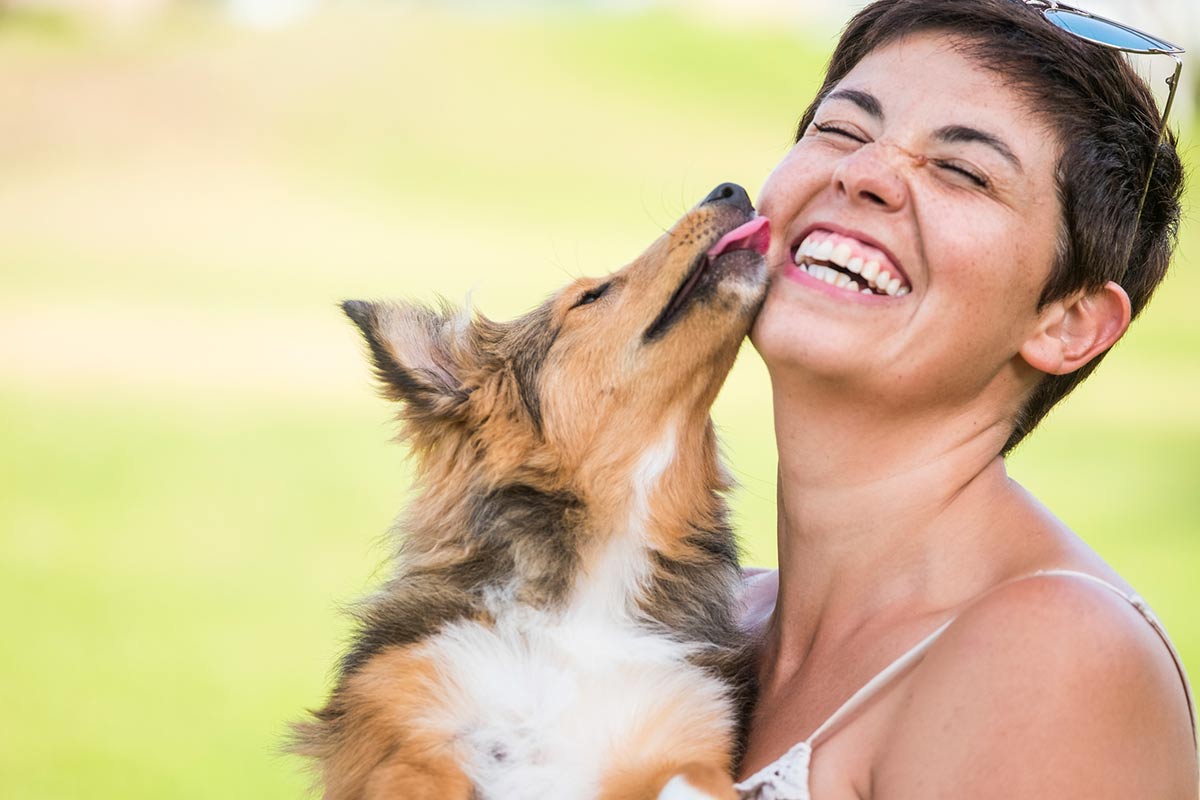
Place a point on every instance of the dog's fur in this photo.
(560, 622)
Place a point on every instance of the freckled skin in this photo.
(977, 259)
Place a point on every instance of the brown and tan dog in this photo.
(561, 622)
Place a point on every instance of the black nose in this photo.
(732, 194)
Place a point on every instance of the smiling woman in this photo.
(960, 236)
(194, 472)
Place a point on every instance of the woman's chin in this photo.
(787, 340)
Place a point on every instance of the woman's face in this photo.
(924, 166)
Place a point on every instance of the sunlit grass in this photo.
(194, 471)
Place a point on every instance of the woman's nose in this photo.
(874, 174)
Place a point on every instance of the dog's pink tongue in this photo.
(754, 235)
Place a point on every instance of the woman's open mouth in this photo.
(849, 264)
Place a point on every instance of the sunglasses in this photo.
(1114, 35)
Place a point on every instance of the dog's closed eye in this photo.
(592, 295)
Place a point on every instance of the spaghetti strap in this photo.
(786, 778)
(881, 680)
(914, 654)
(1148, 614)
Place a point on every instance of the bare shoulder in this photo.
(1052, 686)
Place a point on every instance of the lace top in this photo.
(787, 777)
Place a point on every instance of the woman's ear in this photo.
(1074, 330)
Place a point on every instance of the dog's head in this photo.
(582, 383)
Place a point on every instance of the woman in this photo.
(933, 631)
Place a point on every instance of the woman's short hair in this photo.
(1107, 122)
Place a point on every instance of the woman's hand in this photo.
(760, 586)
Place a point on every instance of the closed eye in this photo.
(836, 131)
(950, 166)
(592, 295)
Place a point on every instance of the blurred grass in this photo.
(194, 471)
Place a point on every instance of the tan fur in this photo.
(677, 741)
(594, 379)
(646, 784)
(710, 779)
(384, 751)
(399, 777)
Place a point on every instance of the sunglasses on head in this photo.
(1114, 35)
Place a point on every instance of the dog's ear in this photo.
(419, 353)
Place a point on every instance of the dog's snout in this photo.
(731, 194)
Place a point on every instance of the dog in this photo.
(561, 622)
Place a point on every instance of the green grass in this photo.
(177, 570)
(194, 471)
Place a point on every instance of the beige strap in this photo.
(872, 687)
(1144, 609)
(913, 655)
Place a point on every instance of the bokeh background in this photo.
(195, 472)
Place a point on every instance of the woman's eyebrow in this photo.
(950, 134)
(961, 133)
(864, 100)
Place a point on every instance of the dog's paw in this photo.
(699, 783)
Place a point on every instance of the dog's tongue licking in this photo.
(754, 235)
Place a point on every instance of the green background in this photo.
(195, 473)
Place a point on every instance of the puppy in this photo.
(561, 618)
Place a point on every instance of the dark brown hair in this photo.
(1107, 123)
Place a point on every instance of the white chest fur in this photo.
(541, 704)
(616, 574)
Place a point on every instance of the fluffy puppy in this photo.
(561, 621)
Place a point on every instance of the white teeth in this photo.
(841, 280)
(841, 254)
(878, 279)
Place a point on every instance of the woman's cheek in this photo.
(788, 186)
(770, 332)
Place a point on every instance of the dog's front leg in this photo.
(374, 740)
(398, 779)
(694, 781)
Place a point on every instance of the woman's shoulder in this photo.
(1055, 681)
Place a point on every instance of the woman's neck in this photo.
(884, 515)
